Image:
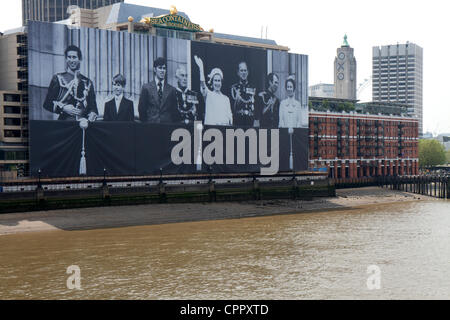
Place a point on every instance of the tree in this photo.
(448, 157)
(325, 105)
(431, 153)
(341, 107)
(349, 106)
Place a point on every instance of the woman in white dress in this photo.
(292, 114)
(218, 106)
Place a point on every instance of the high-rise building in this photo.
(55, 10)
(13, 103)
(345, 72)
(397, 77)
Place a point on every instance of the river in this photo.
(321, 255)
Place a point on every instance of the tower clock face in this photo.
(341, 56)
(340, 76)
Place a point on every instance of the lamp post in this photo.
(39, 178)
(291, 155)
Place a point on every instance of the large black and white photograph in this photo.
(76, 73)
(92, 83)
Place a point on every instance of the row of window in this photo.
(392, 68)
(403, 56)
(15, 133)
(15, 110)
(12, 121)
(167, 33)
(394, 88)
(8, 97)
(13, 155)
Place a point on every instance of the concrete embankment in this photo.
(153, 214)
(191, 192)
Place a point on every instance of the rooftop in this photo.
(121, 11)
(246, 39)
(16, 30)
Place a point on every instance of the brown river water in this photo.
(323, 255)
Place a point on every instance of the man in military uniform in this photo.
(71, 95)
(189, 106)
(243, 99)
(268, 105)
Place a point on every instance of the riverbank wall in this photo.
(205, 190)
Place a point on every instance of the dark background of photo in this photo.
(136, 149)
(227, 58)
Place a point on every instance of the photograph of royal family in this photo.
(215, 84)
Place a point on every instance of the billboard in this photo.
(134, 104)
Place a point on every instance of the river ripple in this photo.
(306, 256)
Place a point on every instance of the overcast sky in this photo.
(317, 28)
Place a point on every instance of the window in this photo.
(21, 51)
(22, 86)
(22, 63)
(13, 155)
(161, 32)
(21, 38)
(23, 75)
(11, 121)
(10, 109)
(11, 98)
(12, 133)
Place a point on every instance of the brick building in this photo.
(355, 145)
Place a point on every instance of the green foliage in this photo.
(340, 107)
(431, 153)
(332, 106)
(349, 107)
(448, 156)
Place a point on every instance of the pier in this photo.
(433, 186)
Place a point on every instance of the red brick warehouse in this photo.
(357, 144)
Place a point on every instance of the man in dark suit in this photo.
(119, 108)
(157, 103)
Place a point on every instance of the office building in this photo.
(13, 103)
(398, 77)
(55, 10)
(323, 90)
